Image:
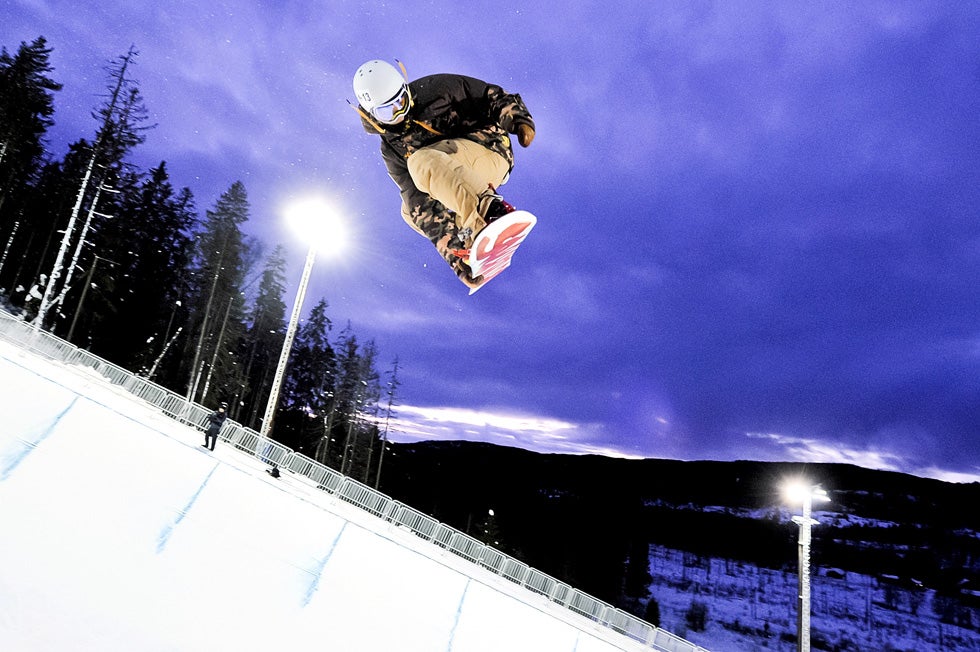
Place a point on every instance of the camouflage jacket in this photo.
(448, 106)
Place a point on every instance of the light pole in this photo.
(797, 492)
(316, 221)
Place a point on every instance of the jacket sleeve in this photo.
(397, 168)
(508, 109)
(474, 101)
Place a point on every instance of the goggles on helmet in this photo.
(393, 111)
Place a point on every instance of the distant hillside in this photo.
(587, 519)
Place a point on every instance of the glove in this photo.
(525, 134)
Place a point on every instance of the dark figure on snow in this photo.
(215, 420)
(445, 141)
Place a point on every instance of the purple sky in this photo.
(757, 237)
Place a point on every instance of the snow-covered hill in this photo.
(750, 608)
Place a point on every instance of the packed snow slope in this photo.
(120, 532)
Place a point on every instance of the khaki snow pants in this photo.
(457, 172)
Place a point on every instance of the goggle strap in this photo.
(364, 114)
(402, 66)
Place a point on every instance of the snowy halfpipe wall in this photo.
(118, 531)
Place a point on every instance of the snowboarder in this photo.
(445, 142)
(215, 420)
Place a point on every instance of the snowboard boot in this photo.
(457, 253)
(463, 271)
(493, 205)
(459, 245)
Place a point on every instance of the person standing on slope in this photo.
(215, 420)
(445, 142)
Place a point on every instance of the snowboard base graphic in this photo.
(494, 246)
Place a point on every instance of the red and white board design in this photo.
(495, 245)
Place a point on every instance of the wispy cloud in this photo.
(541, 434)
(949, 476)
(760, 213)
(827, 450)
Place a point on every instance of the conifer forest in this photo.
(123, 262)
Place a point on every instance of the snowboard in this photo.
(494, 246)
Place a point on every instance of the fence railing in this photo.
(40, 342)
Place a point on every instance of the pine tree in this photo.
(652, 612)
(263, 342)
(308, 393)
(26, 107)
(121, 129)
(123, 115)
(636, 575)
(391, 390)
(488, 530)
(43, 223)
(357, 401)
(332, 446)
(150, 244)
(216, 300)
(696, 616)
(367, 432)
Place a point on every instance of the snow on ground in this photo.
(848, 614)
(120, 532)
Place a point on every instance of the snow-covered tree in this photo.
(136, 303)
(121, 129)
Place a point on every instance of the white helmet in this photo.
(383, 91)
